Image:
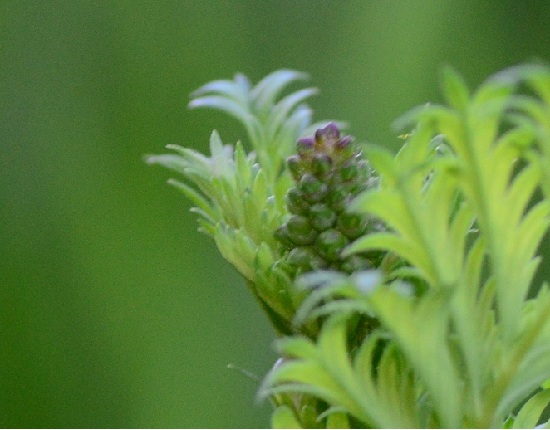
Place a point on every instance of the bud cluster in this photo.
(329, 172)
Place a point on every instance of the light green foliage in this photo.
(462, 336)
(459, 200)
(240, 196)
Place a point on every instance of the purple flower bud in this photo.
(305, 145)
(344, 142)
(331, 131)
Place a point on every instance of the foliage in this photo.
(239, 196)
(463, 333)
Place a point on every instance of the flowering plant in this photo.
(401, 287)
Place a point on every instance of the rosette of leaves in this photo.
(329, 171)
(239, 195)
(472, 349)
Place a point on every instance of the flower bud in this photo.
(312, 189)
(348, 171)
(344, 148)
(305, 146)
(281, 234)
(330, 243)
(305, 258)
(337, 199)
(329, 132)
(329, 171)
(352, 225)
(295, 202)
(300, 230)
(355, 263)
(321, 217)
(321, 164)
(295, 167)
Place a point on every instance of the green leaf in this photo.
(455, 89)
(269, 88)
(283, 418)
(195, 198)
(530, 413)
(237, 89)
(282, 110)
(421, 329)
(229, 106)
(338, 420)
(382, 160)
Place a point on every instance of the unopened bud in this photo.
(281, 234)
(330, 244)
(338, 199)
(294, 164)
(321, 165)
(352, 225)
(321, 217)
(312, 189)
(348, 171)
(344, 148)
(355, 263)
(329, 132)
(305, 146)
(295, 202)
(305, 258)
(300, 230)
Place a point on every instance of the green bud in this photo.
(352, 225)
(330, 243)
(300, 230)
(321, 217)
(329, 171)
(295, 202)
(337, 199)
(363, 172)
(321, 164)
(357, 187)
(294, 164)
(348, 171)
(312, 189)
(281, 234)
(355, 263)
(305, 259)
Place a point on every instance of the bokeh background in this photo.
(114, 311)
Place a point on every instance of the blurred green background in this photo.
(115, 312)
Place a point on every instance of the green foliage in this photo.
(459, 201)
(458, 341)
(239, 196)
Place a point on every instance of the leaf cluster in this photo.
(463, 333)
(461, 343)
(239, 195)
